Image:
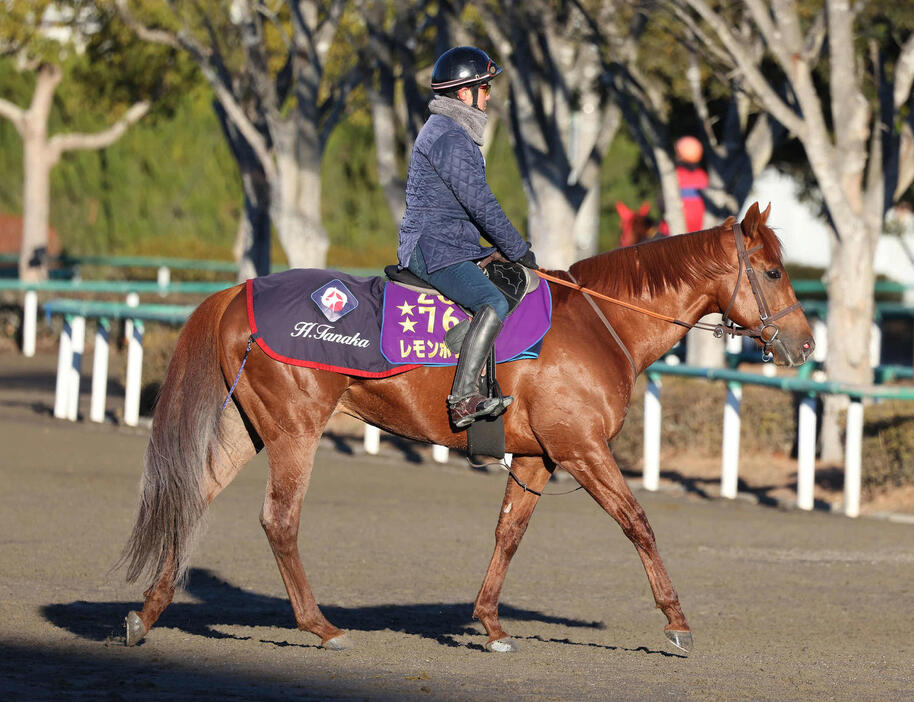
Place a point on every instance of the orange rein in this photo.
(594, 293)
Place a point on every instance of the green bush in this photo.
(888, 445)
(693, 420)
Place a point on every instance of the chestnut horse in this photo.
(569, 403)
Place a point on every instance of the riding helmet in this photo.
(462, 66)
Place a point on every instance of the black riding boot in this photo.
(466, 403)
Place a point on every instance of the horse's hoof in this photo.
(505, 645)
(680, 639)
(136, 630)
(339, 643)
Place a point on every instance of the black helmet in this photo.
(462, 66)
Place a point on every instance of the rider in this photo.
(449, 205)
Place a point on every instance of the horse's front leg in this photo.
(594, 467)
(516, 510)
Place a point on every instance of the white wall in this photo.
(807, 238)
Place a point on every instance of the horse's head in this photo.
(758, 295)
(637, 226)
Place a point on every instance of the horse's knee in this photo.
(638, 529)
(509, 533)
(281, 533)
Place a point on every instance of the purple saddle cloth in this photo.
(371, 327)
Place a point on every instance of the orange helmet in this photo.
(689, 150)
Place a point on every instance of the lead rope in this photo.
(521, 483)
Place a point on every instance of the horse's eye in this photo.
(773, 274)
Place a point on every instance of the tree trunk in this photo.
(384, 123)
(252, 242)
(37, 163)
(850, 313)
(587, 224)
(295, 201)
(33, 264)
(549, 217)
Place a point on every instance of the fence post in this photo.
(29, 322)
(852, 450)
(64, 361)
(78, 330)
(163, 278)
(730, 467)
(133, 300)
(806, 452)
(100, 371)
(372, 439)
(652, 418)
(134, 374)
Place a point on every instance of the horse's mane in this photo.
(669, 263)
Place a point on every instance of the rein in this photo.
(765, 331)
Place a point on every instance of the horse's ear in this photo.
(751, 220)
(766, 213)
(624, 212)
(645, 209)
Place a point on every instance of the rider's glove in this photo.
(528, 260)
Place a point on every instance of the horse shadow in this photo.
(221, 604)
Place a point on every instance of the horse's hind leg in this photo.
(291, 461)
(516, 510)
(291, 433)
(596, 470)
(230, 455)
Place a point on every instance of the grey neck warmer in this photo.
(470, 118)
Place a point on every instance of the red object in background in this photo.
(11, 235)
(636, 226)
(691, 182)
(688, 150)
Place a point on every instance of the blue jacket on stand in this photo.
(449, 203)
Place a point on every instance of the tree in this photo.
(269, 72)
(47, 40)
(561, 116)
(661, 102)
(849, 104)
(388, 57)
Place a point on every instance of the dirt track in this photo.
(783, 605)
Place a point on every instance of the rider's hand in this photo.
(528, 260)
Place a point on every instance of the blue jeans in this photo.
(464, 283)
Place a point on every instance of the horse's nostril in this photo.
(806, 346)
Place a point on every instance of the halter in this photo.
(765, 331)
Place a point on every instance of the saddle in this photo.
(485, 437)
(513, 280)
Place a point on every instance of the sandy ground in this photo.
(784, 605)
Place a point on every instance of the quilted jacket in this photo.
(449, 203)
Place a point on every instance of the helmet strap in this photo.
(476, 97)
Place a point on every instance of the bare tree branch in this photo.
(14, 114)
(215, 75)
(60, 143)
(750, 72)
(904, 73)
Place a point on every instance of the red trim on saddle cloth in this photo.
(249, 297)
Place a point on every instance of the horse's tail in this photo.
(185, 433)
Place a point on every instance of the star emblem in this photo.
(408, 325)
(406, 308)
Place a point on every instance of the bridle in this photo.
(766, 331)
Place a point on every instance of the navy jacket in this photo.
(449, 203)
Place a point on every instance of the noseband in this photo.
(766, 331)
